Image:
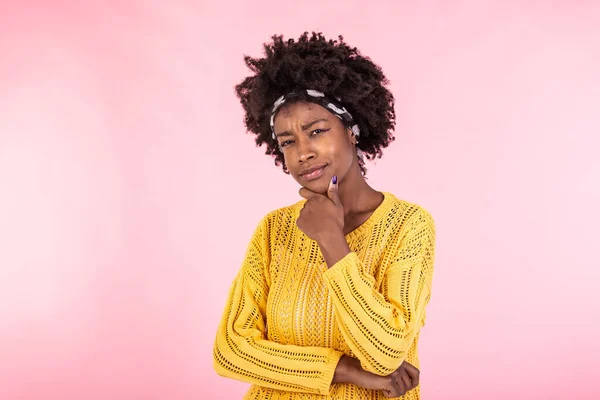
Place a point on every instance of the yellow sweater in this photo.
(289, 318)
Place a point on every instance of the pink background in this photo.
(130, 190)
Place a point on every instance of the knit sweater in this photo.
(289, 318)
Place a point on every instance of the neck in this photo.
(355, 193)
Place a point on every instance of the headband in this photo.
(334, 105)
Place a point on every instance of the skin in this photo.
(309, 135)
(327, 142)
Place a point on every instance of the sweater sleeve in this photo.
(241, 350)
(380, 325)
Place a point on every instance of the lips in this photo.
(313, 172)
(312, 168)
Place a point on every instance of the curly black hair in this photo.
(329, 66)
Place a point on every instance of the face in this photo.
(311, 137)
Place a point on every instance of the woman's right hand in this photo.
(404, 379)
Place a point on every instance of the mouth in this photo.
(317, 173)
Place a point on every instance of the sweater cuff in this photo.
(332, 362)
(337, 270)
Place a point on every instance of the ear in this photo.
(351, 136)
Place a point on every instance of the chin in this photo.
(320, 186)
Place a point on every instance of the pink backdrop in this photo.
(130, 190)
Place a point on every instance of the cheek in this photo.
(342, 154)
(337, 150)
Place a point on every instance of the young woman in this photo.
(331, 295)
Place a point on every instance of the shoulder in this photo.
(408, 212)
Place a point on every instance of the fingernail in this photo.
(335, 179)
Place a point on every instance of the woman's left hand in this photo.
(322, 215)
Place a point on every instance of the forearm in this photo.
(249, 358)
(364, 313)
(334, 247)
(350, 371)
(346, 369)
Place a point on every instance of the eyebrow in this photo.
(303, 127)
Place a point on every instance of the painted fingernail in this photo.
(335, 179)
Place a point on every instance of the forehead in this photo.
(300, 112)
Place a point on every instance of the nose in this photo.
(305, 151)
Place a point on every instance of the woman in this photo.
(332, 292)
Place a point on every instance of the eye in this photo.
(318, 131)
(285, 143)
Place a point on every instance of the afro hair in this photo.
(329, 66)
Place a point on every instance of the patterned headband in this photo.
(317, 97)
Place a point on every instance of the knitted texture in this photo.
(289, 318)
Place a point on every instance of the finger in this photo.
(333, 192)
(407, 381)
(413, 372)
(389, 387)
(391, 390)
(401, 387)
(396, 385)
(307, 193)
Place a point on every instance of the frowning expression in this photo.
(315, 144)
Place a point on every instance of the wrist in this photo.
(334, 247)
(331, 237)
(345, 371)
